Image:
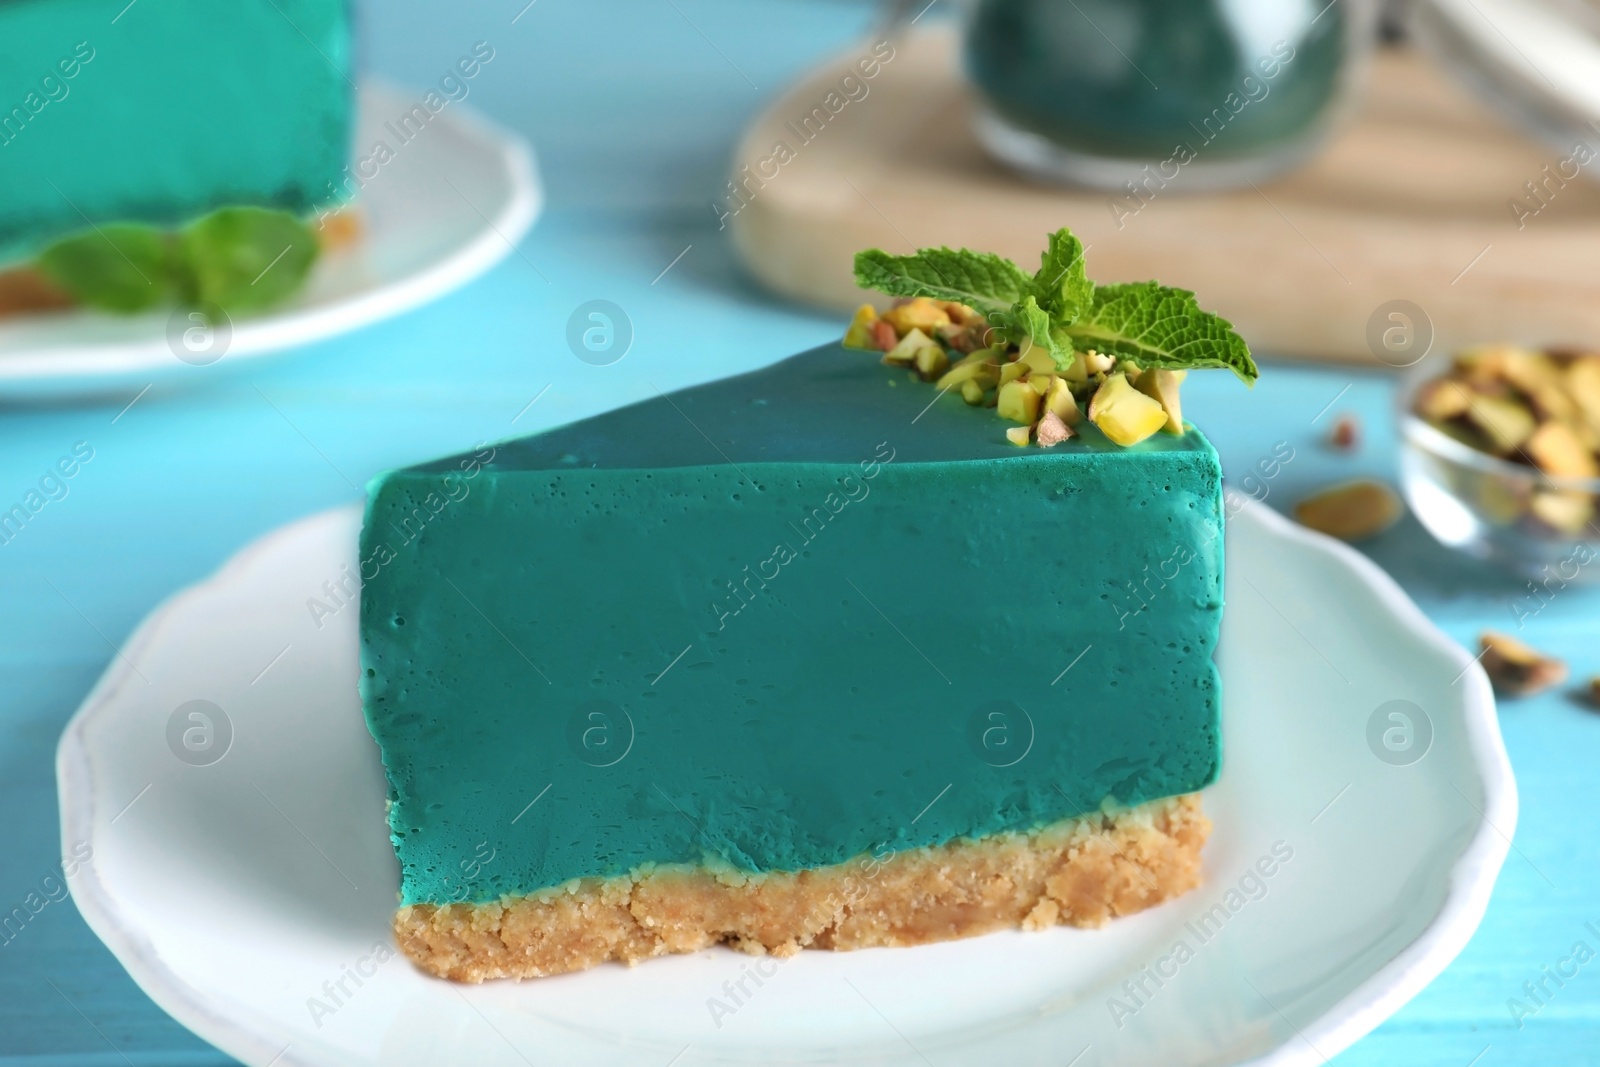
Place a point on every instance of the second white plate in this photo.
(449, 204)
(248, 887)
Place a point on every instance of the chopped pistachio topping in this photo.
(1060, 402)
(930, 361)
(1046, 347)
(859, 333)
(1162, 387)
(1123, 413)
(1051, 431)
(1018, 402)
(906, 348)
(1023, 383)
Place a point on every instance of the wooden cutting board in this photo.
(1410, 200)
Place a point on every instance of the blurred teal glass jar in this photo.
(1219, 92)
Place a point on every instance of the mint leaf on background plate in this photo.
(247, 258)
(120, 266)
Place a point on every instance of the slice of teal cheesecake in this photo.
(757, 661)
(816, 656)
(112, 111)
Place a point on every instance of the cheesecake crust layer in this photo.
(1077, 872)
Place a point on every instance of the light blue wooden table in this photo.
(634, 106)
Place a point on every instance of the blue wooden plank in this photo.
(635, 114)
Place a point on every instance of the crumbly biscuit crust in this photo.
(1078, 872)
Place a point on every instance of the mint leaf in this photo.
(121, 266)
(1028, 320)
(247, 258)
(1156, 326)
(978, 279)
(1061, 285)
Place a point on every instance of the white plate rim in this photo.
(1472, 877)
(1376, 998)
(76, 367)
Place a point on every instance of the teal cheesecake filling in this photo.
(778, 621)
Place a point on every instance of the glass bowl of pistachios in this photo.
(1500, 458)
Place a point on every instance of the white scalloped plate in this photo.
(241, 894)
(452, 203)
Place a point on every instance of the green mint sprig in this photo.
(241, 259)
(248, 258)
(122, 266)
(978, 279)
(1157, 326)
(1059, 309)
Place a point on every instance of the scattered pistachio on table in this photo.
(1351, 511)
(1346, 434)
(1517, 669)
